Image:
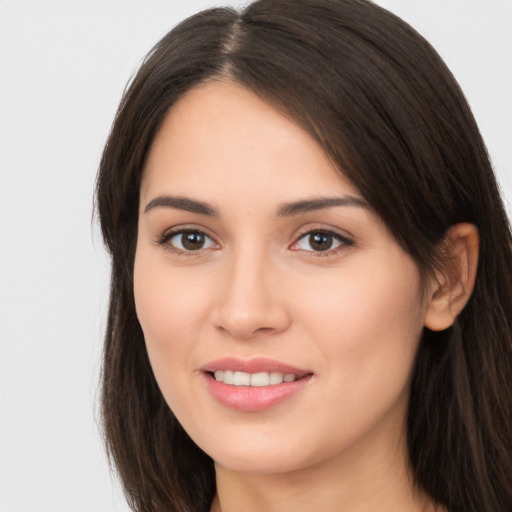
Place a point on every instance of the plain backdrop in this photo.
(63, 67)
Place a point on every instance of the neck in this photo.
(372, 476)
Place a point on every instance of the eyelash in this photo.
(343, 241)
(165, 241)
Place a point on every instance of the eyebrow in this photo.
(182, 203)
(319, 203)
(284, 210)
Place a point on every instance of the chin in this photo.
(259, 464)
(264, 454)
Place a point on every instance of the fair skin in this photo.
(251, 245)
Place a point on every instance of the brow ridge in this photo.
(319, 203)
(284, 210)
(182, 203)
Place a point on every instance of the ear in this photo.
(453, 283)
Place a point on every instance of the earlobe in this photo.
(453, 284)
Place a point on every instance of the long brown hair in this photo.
(382, 104)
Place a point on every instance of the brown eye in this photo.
(321, 241)
(190, 241)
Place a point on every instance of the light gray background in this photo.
(63, 67)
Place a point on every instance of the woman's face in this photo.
(257, 263)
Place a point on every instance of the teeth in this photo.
(241, 379)
(260, 379)
(276, 378)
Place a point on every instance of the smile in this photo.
(260, 379)
(254, 385)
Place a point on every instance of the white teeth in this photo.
(276, 378)
(260, 379)
(242, 379)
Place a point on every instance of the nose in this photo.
(251, 300)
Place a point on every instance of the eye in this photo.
(187, 240)
(321, 241)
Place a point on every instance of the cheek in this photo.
(169, 301)
(367, 327)
(366, 331)
(367, 304)
(170, 311)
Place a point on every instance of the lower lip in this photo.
(254, 399)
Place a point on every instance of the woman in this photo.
(311, 272)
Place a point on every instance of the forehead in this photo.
(221, 137)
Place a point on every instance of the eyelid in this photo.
(170, 233)
(346, 240)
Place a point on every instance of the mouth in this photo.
(254, 385)
(259, 379)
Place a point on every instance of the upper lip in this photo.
(256, 365)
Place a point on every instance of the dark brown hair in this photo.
(382, 104)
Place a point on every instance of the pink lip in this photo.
(253, 399)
